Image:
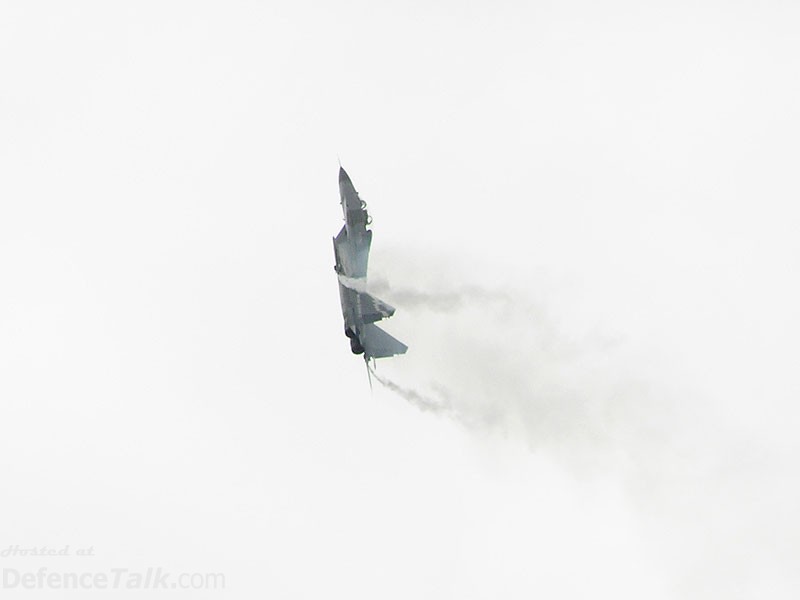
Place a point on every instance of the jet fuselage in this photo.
(359, 309)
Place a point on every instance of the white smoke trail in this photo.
(441, 300)
(498, 364)
(421, 401)
(600, 405)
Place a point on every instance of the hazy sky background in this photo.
(586, 214)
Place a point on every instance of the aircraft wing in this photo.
(372, 309)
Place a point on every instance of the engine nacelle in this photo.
(355, 346)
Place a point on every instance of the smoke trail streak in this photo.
(441, 301)
(422, 402)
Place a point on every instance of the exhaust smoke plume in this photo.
(605, 403)
(498, 364)
(423, 402)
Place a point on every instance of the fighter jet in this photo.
(360, 309)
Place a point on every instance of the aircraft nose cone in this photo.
(343, 175)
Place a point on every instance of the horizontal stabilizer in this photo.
(379, 344)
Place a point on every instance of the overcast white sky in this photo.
(586, 214)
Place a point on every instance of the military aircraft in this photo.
(360, 309)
